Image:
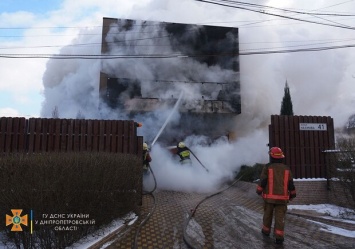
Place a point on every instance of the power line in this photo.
(250, 24)
(297, 50)
(98, 44)
(337, 4)
(279, 9)
(312, 11)
(120, 41)
(151, 23)
(159, 37)
(278, 15)
(165, 56)
(218, 2)
(51, 27)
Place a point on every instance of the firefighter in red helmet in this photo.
(277, 188)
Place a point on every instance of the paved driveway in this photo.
(231, 219)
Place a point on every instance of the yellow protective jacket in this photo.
(184, 153)
(146, 158)
(276, 184)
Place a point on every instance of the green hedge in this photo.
(78, 191)
(250, 173)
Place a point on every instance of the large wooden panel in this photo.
(12, 134)
(64, 135)
(303, 148)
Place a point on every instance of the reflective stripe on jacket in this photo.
(184, 153)
(276, 183)
(277, 189)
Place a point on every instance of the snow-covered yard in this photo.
(331, 212)
(326, 211)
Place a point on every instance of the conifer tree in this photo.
(286, 105)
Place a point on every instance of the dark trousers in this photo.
(279, 211)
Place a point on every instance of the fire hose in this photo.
(193, 211)
(199, 161)
(135, 244)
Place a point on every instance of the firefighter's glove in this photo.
(292, 195)
(259, 190)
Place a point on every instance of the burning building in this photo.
(153, 64)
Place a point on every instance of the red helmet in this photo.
(276, 152)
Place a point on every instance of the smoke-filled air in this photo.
(321, 83)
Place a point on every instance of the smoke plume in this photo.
(321, 83)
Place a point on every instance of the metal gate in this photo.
(303, 140)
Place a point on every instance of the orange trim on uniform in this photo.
(275, 197)
(266, 229)
(271, 194)
(279, 233)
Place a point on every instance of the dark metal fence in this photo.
(341, 174)
(68, 135)
(303, 140)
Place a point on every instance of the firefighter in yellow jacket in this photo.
(146, 159)
(184, 153)
(277, 188)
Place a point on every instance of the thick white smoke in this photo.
(71, 85)
(321, 83)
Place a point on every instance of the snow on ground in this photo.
(335, 230)
(90, 240)
(327, 211)
(93, 238)
(331, 212)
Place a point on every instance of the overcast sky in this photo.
(321, 83)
